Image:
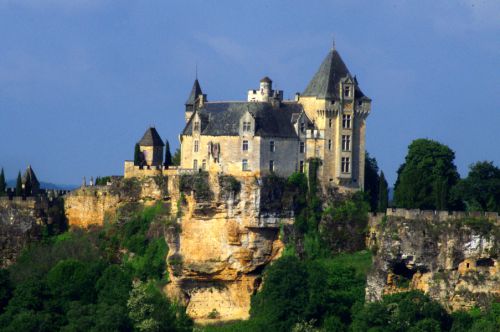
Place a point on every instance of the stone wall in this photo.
(453, 257)
(21, 223)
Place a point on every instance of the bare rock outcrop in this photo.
(219, 249)
(452, 258)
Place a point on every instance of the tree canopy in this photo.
(426, 177)
(480, 190)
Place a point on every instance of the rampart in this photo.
(432, 215)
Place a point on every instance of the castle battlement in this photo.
(432, 215)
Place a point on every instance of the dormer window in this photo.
(246, 126)
(347, 91)
(196, 126)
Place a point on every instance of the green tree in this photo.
(176, 159)
(408, 311)
(480, 190)
(6, 288)
(383, 193)
(168, 154)
(138, 159)
(371, 180)
(19, 185)
(149, 310)
(284, 295)
(426, 177)
(3, 184)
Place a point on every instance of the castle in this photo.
(267, 134)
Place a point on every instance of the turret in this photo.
(151, 146)
(265, 92)
(30, 182)
(195, 100)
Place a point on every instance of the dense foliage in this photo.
(426, 177)
(176, 159)
(480, 190)
(98, 280)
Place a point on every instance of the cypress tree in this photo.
(19, 185)
(3, 184)
(137, 155)
(372, 180)
(383, 193)
(168, 154)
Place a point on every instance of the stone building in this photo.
(266, 133)
(151, 146)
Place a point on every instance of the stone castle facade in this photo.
(267, 134)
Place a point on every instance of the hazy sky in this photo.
(81, 80)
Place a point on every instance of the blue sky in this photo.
(81, 80)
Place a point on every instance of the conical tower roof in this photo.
(151, 138)
(325, 82)
(195, 92)
(30, 177)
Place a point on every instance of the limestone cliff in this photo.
(219, 249)
(88, 206)
(225, 231)
(452, 258)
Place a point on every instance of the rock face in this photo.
(224, 235)
(21, 222)
(88, 206)
(452, 258)
(217, 253)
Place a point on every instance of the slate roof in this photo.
(266, 79)
(30, 177)
(325, 82)
(151, 138)
(223, 118)
(195, 92)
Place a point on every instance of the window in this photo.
(272, 147)
(196, 126)
(204, 164)
(330, 144)
(347, 91)
(301, 166)
(330, 123)
(302, 127)
(195, 164)
(346, 121)
(302, 147)
(244, 165)
(346, 142)
(246, 126)
(196, 146)
(271, 165)
(346, 164)
(245, 146)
